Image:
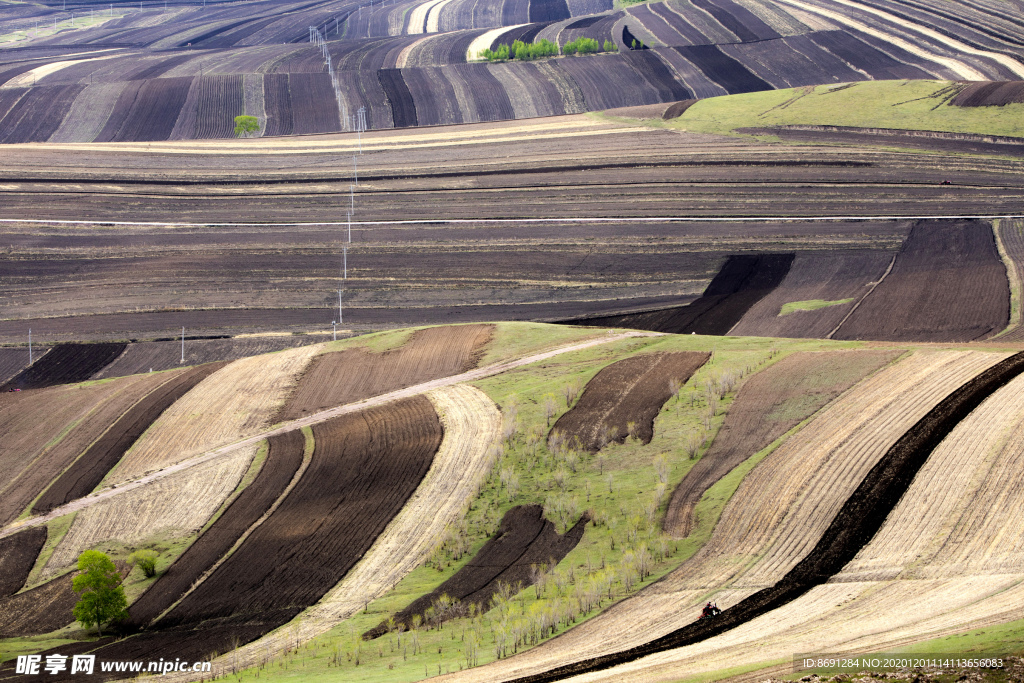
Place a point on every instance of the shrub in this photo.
(145, 560)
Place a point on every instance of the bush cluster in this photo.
(545, 48)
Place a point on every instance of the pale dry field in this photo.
(471, 424)
(776, 515)
(948, 558)
(176, 506)
(237, 401)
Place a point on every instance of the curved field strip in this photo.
(948, 558)
(418, 16)
(66, 364)
(34, 451)
(88, 471)
(17, 557)
(178, 505)
(767, 406)
(947, 284)
(236, 401)
(342, 377)
(777, 514)
(471, 424)
(284, 456)
(485, 40)
(630, 390)
(960, 69)
(370, 462)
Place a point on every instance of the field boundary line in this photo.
(452, 221)
(857, 305)
(1013, 276)
(316, 418)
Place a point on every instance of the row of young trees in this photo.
(545, 48)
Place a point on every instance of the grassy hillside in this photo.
(911, 105)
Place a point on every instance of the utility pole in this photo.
(352, 200)
(30, 346)
(335, 323)
(355, 171)
(341, 316)
(350, 228)
(182, 344)
(344, 256)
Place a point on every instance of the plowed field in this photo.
(471, 423)
(815, 277)
(342, 377)
(630, 390)
(767, 406)
(284, 456)
(371, 462)
(947, 284)
(232, 403)
(524, 538)
(777, 514)
(88, 471)
(42, 609)
(14, 360)
(65, 364)
(164, 355)
(741, 283)
(17, 556)
(34, 451)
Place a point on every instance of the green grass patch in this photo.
(810, 305)
(56, 529)
(517, 339)
(907, 105)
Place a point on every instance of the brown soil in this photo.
(283, 459)
(44, 608)
(948, 284)
(86, 473)
(852, 528)
(524, 541)
(370, 462)
(32, 454)
(17, 557)
(14, 360)
(630, 390)
(166, 355)
(65, 364)
(767, 406)
(816, 276)
(342, 377)
(990, 94)
(742, 282)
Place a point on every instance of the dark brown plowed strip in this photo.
(742, 282)
(771, 403)
(989, 94)
(853, 527)
(523, 538)
(678, 109)
(948, 284)
(630, 390)
(18, 555)
(86, 473)
(65, 364)
(341, 377)
(284, 456)
(42, 609)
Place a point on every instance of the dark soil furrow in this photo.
(861, 516)
(283, 459)
(65, 364)
(17, 556)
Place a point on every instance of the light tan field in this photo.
(776, 515)
(175, 506)
(237, 401)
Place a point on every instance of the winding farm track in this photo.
(200, 459)
(776, 516)
(948, 558)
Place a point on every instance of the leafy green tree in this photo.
(145, 560)
(103, 598)
(609, 46)
(244, 125)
